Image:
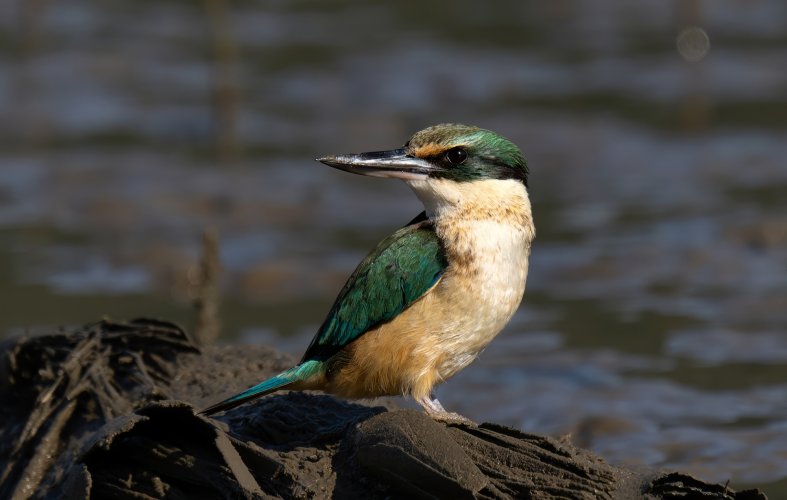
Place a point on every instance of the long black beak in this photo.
(396, 164)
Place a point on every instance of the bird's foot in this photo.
(435, 410)
(449, 417)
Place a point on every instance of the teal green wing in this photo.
(394, 275)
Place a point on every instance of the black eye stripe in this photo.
(507, 171)
(474, 170)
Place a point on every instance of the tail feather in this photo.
(259, 390)
(273, 384)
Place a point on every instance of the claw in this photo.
(435, 410)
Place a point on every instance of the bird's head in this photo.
(454, 170)
(454, 152)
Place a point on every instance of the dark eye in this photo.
(456, 156)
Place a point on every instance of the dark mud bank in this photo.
(108, 412)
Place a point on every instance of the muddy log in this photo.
(107, 411)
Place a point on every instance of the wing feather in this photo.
(395, 274)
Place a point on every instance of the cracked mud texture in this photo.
(108, 411)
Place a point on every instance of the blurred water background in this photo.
(654, 328)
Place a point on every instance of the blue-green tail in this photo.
(286, 378)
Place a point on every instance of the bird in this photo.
(425, 302)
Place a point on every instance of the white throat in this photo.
(504, 200)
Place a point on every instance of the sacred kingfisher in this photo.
(431, 296)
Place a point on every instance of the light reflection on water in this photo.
(653, 328)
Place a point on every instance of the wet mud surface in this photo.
(107, 411)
